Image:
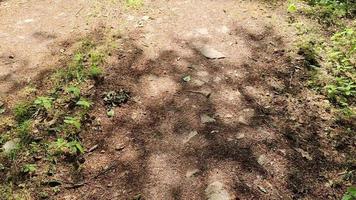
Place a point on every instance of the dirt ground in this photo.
(242, 127)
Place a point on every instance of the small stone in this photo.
(198, 82)
(206, 92)
(145, 18)
(10, 145)
(191, 173)
(119, 147)
(186, 78)
(130, 18)
(304, 153)
(262, 189)
(240, 136)
(204, 118)
(211, 53)
(224, 29)
(217, 79)
(216, 191)
(202, 31)
(246, 115)
(283, 151)
(189, 136)
(262, 159)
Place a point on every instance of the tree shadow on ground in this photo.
(166, 107)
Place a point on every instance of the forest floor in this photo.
(243, 126)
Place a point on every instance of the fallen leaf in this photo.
(304, 153)
(186, 78)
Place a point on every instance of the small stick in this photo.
(77, 13)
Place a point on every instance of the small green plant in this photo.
(63, 146)
(59, 146)
(34, 148)
(45, 102)
(84, 103)
(75, 147)
(24, 129)
(329, 12)
(341, 90)
(96, 58)
(95, 71)
(134, 3)
(75, 69)
(110, 113)
(29, 168)
(292, 8)
(74, 121)
(24, 111)
(350, 194)
(73, 90)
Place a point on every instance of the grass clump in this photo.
(45, 102)
(95, 71)
(134, 3)
(329, 12)
(336, 79)
(62, 146)
(24, 111)
(47, 128)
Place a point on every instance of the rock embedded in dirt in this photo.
(304, 153)
(204, 118)
(240, 136)
(119, 147)
(246, 116)
(145, 18)
(2, 108)
(202, 31)
(189, 136)
(262, 189)
(186, 78)
(211, 53)
(262, 159)
(216, 191)
(223, 29)
(191, 173)
(10, 145)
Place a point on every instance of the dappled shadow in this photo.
(244, 120)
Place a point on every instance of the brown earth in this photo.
(242, 127)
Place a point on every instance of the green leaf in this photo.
(186, 78)
(292, 8)
(111, 113)
(45, 102)
(350, 194)
(74, 90)
(29, 168)
(347, 197)
(73, 121)
(79, 147)
(84, 103)
(352, 191)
